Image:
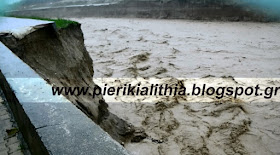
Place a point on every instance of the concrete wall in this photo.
(37, 57)
(60, 57)
(50, 124)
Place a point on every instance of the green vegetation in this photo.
(12, 132)
(60, 23)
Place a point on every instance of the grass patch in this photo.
(60, 23)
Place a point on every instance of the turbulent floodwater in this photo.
(180, 51)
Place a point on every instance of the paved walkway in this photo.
(10, 143)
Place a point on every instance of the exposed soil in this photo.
(60, 57)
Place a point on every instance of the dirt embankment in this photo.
(59, 56)
(173, 9)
